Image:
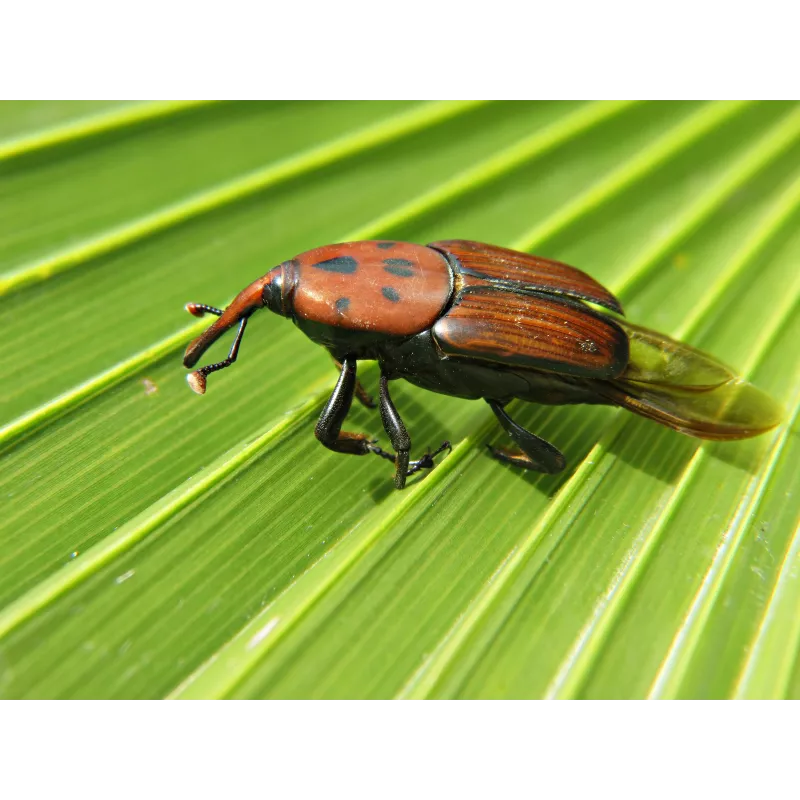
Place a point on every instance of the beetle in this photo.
(478, 321)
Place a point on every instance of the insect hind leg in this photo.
(534, 452)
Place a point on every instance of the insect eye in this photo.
(271, 295)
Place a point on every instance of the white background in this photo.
(420, 49)
(501, 750)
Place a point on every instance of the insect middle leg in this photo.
(534, 453)
(401, 441)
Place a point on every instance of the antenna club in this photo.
(197, 381)
(195, 309)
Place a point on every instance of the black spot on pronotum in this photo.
(390, 294)
(339, 264)
(402, 272)
(398, 262)
(399, 266)
(342, 304)
(386, 245)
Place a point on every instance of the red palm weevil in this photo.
(482, 322)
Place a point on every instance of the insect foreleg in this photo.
(362, 395)
(329, 427)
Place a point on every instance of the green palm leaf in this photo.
(154, 543)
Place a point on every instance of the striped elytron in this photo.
(483, 322)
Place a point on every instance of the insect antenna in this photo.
(201, 309)
(197, 379)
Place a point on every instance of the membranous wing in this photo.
(681, 387)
